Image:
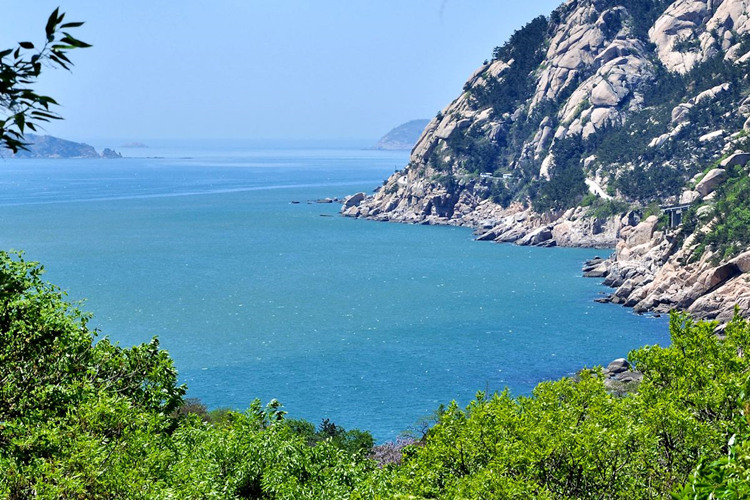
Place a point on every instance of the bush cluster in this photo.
(85, 419)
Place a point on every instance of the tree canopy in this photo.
(81, 417)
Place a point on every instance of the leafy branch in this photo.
(21, 107)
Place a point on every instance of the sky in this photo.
(262, 69)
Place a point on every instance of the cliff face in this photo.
(658, 269)
(604, 107)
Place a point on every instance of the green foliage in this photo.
(523, 41)
(652, 208)
(499, 193)
(48, 363)
(566, 186)
(353, 441)
(727, 476)
(643, 14)
(649, 184)
(93, 420)
(602, 209)
(251, 457)
(525, 48)
(572, 439)
(730, 232)
(687, 44)
(74, 416)
(21, 107)
(448, 181)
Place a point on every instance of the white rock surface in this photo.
(692, 31)
(711, 181)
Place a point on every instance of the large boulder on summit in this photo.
(711, 181)
(688, 197)
(737, 159)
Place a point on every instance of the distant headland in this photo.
(46, 146)
(402, 137)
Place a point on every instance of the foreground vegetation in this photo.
(86, 419)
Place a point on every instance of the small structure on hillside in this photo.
(675, 213)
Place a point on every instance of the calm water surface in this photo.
(369, 324)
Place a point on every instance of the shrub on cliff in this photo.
(729, 232)
(566, 185)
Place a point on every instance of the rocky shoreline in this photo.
(491, 222)
(653, 271)
(609, 104)
(650, 268)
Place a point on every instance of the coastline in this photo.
(650, 268)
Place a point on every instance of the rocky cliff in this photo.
(693, 266)
(603, 108)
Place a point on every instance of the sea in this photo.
(257, 290)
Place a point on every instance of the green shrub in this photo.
(603, 209)
(85, 420)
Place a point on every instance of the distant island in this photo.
(402, 137)
(46, 146)
(134, 145)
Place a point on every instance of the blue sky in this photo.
(255, 69)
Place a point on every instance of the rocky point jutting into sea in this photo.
(607, 124)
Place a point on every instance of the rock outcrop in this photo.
(625, 103)
(110, 154)
(652, 272)
(692, 31)
(620, 378)
(588, 70)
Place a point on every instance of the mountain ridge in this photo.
(582, 125)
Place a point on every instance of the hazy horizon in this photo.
(252, 71)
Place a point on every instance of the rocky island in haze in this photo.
(608, 124)
(402, 137)
(46, 146)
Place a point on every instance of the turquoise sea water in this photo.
(372, 325)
